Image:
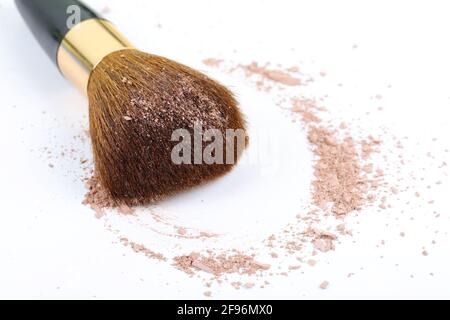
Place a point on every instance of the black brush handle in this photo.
(50, 20)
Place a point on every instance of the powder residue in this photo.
(324, 285)
(277, 76)
(345, 180)
(339, 178)
(219, 264)
(97, 196)
(212, 62)
(181, 231)
(140, 248)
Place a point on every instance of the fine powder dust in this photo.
(345, 181)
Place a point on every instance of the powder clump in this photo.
(337, 171)
(324, 285)
(219, 264)
(277, 76)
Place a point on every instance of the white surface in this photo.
(51, 246)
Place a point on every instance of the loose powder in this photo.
(219, 264)
(346, 180)
(277, 76)
(324, 285)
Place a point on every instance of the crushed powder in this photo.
(312, 262)
(219, 264)
(324, 285)
(207, 294)
(140, 248)
(344, 181)
(97, 196)
(211, 62)
(181, 231)
(277, 76)
(249, 285)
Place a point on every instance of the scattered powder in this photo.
(339, 178)
(345, 181)
(99, 212)
(211, 62)
(125, 209)
(219, 264)
(342, 229)
(97, 196)
(249, 285)
(307, 108)
(277, 76)
(237, 285)
(323, 243)
(139, 248)
(324, 285)
(312, 262)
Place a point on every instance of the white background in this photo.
(51, 246)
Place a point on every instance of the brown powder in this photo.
(211, 62)
(324, 285)
(312, 262)
(344, 181)
(338, 173)
(125, 209)
(219, 264)
(341, 176)
(307, 108)
(277, 76)
(236, 284)
(139, 248)
(97, 196)
(342, 229)
(207, 294)
(249, 285)
(323, 245)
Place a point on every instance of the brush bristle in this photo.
(136, 101)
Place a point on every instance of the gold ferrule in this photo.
(84, 46)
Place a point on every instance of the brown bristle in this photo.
(136, 101)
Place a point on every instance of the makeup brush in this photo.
(140, 106)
